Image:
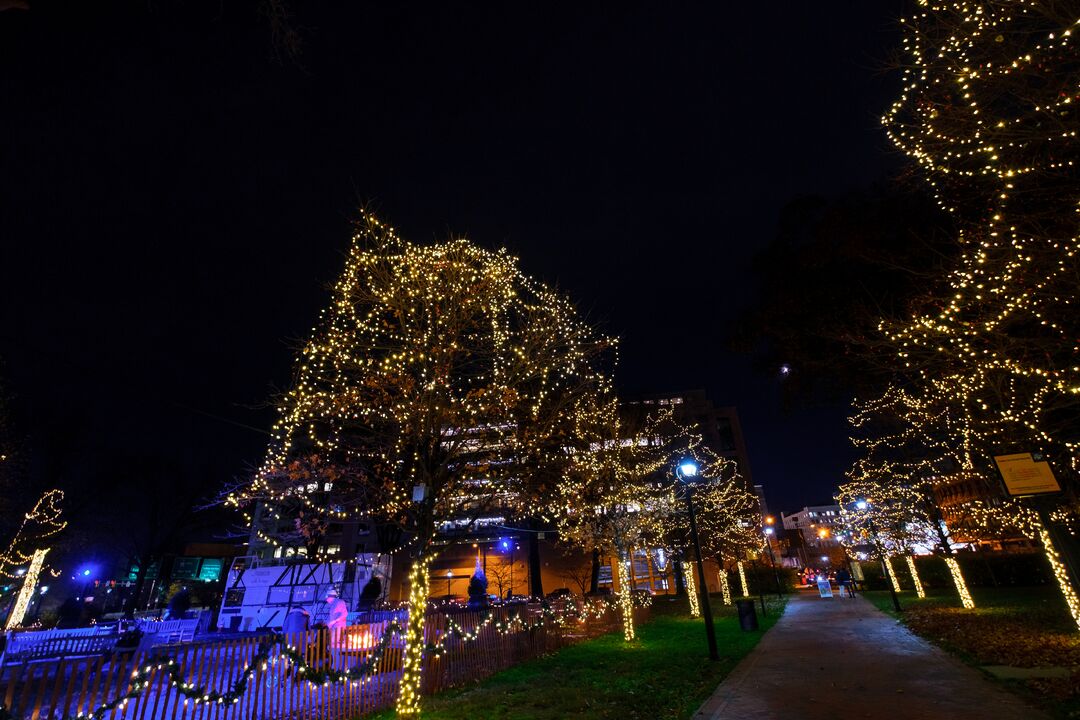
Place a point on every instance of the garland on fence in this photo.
(503, 627)
(318, 674)
(312, 673)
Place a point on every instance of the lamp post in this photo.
(769, 530)
(449, 576)
(863, 505)
(686, 472)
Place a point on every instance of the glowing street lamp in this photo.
(686, 472)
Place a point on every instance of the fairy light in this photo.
(988, 112)
(447, 345)
(408, 700)
(626, 601)
(440, 381)
(691, 589)
(961, 585)
(742, 580)
(620, 493)
(725, 587)
(42, 522)
(26, 592)
(915, 576)
(892, 573)
(1061, 575)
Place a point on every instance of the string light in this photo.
(408, 700)
(691, 589)
(626, 600)
(742, 580)
(725, 587)
(26, 592)
(1061, 575)
(440, 382)
(915, 577)
(960, 583)
(42, 522)
(987, 110)
(892, 573)
(620, 492)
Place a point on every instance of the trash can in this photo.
(747, 615)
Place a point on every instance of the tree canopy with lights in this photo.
(988, 112)
(441, 383)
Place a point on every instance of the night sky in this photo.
(176, 193)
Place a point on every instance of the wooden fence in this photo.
(64, 688)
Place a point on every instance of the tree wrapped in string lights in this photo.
(614, 497)
(27, 548)
(440, 384)
(729, 519)
(988, 111)
(907, 444)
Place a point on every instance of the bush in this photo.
(980, 570)
(762, 581)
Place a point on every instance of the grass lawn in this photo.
(665, 673)
(1021, 627)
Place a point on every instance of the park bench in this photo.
(54, 645)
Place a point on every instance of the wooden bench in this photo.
(54, 648)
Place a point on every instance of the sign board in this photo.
(1026, 474)
(824, 587)
(185, 568)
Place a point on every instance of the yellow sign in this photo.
(1026, 474)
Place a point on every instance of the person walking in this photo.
(843, 579)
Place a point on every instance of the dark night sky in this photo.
(173, 199)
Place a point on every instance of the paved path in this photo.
(842, 659)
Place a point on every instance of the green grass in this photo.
(1020, 627)
(665, 673)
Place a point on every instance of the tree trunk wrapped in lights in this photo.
(1061, 575)
(725, 586)
(626, 599)
(408, 701)
(892, 572)
(691, 588)
(440, 384)
(915, 576)
(959, 583)
(742, 579)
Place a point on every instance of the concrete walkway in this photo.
(842, 659)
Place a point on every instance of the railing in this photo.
(463, 647)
